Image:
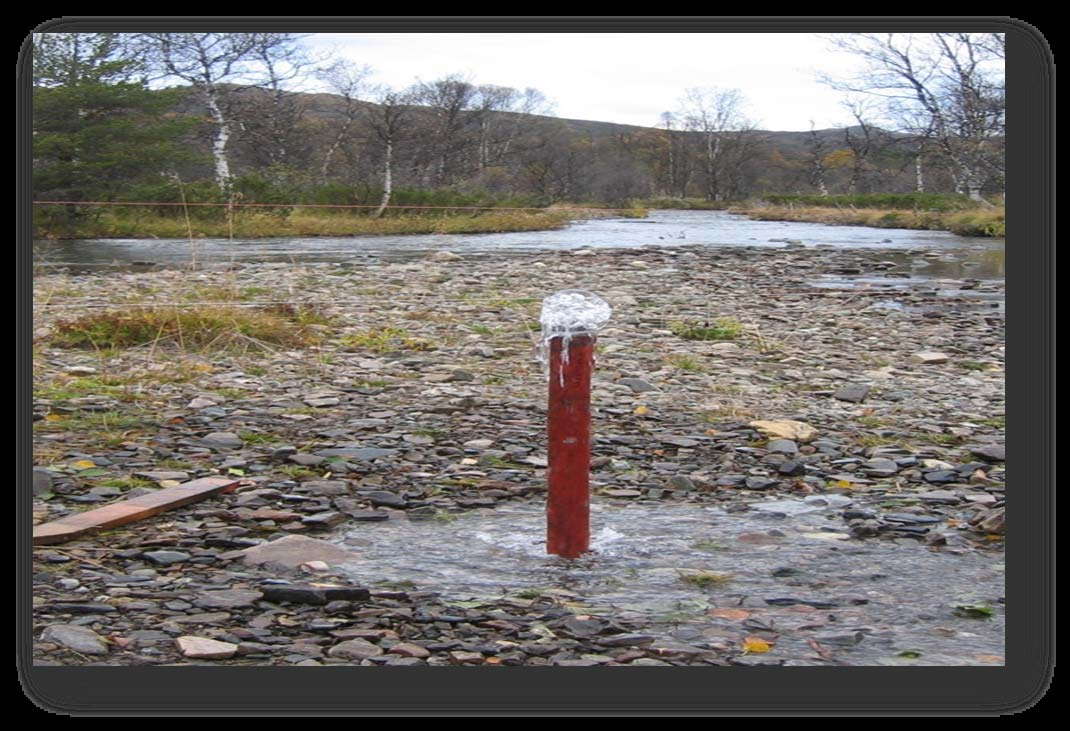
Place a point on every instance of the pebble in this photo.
(204, 648)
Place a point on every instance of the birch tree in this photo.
(713, 113)
(214, 64)
(947, 89)
(389, 120)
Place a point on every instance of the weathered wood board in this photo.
(127, 511)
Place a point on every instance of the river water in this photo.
(874, 602)
(962, 256)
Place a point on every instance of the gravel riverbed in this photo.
(836, 463)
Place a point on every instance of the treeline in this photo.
(231, 127)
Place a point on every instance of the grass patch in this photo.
(977, 222)
(705, 579)
(384, 340)
(685, 362)
(996, 422)
(125, 483)
(258, 438)
(140, 223)
(198, 327)
(725, 328)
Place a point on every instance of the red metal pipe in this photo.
(568, 504)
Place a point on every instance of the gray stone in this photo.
(306, 460)
(324, 521)
(637, 385)
(853, 393)
(791, 468)
(783, 446)
(313, 594)
(355, 650)
(990, 453)
(227, 598)
(166, 558)
(880, 467)
(384, 499)
(362, 453)
(292, 551)
(760, 483)
(79, 639)
(328, 488)
(223, 440)
(682, 483)
(42, 481)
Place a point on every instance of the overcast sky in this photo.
(630, 78)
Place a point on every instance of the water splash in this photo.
(568, 314)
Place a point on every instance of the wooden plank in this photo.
(127, 511)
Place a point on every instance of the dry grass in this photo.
(977, 222)
(194, 328)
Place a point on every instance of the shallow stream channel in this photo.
(690, 573)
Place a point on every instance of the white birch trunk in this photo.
(388, 181)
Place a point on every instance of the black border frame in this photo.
(634, 691)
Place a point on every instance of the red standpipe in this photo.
(568, 505)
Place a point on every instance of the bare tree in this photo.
(944, 88)
(816, 147)
(713, 113)
(213, 63)
(270, 120)
(448, 99)
(350, 82)
(389, 120)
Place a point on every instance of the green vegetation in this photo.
(385, 340)
(939, 202)
(684, 362)
(724, 328)
(687, 204)
(705, 579)
(141, 223)
(195, 327)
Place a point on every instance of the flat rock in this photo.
(990, 453)
(637, 385)
(313, 593)
(223, 440)
(166, 558)
(79, 639)
(363, 453)
(292, 551)
(854, 393)
(204, 648)
(355, 650)
(929, 358)
(786, 429)
(42, 481)
(227, 598)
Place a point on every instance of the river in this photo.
(978, 258)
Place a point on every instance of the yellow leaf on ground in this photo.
(756, 645)
(84, 464)
(641, 411)
(53, 417)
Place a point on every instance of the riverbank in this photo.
(977, 222)
(405, 396)
(122, 224)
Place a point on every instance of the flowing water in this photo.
(661, 228)
(789, 561)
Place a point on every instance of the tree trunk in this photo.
(219, 143)
(919, 177)
(388, 181)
